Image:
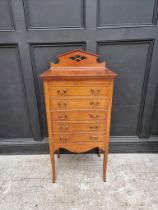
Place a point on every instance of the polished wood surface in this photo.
(78, 103)
(80, 91)
(78, 127)
(79, 137)
(79, 115)
(78, 96)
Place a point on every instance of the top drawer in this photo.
(78, 91)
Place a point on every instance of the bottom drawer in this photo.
(80, 137)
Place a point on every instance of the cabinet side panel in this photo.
(47, 105)
(107, 132)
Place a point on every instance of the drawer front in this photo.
(79, 137)
(78, 127)
(79, 103)
(78, 115)
(78, 91)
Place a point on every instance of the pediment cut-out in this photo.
(77, 58)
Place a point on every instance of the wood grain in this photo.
(80, 91)
(79, 115)
(79, 137)
(78, 103)
(59, 127)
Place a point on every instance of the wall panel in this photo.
(13, 111)
(54, 14)
(129, 60)
(126, 13)
(6, 16)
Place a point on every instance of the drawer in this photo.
(78, 91)
(79, 103)
(79, 137)
(78, 115)
(78, 127)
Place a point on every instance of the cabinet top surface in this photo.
(77, 64)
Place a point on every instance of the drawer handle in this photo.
(66, 127)
(94, 116)
(62, 116)
(93, 137)
(64, 138)
(94, 127)
(95, 91)
(92, 103)
(62, 104)
(61, 92)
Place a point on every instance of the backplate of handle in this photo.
(62, 116)
(61, 92)
(93, 137)
(95, 91)
(64, 138)
(94, 116)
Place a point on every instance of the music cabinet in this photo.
(78, 98)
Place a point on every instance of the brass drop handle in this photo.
(66, 138)
(61, 92)
(64, 127)
(94, 127)
(94, 103)
(93, 137)
(62, 104)
(62, 116)
(94, 116)
(95, 91)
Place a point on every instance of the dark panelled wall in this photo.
(124, 33)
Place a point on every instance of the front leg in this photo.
(53, 166)
(105, 165)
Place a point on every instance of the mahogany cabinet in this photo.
(78, 97)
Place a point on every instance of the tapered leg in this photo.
(105, 165)
(53, 166)
(98, 151)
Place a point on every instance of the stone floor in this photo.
(132, 182)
